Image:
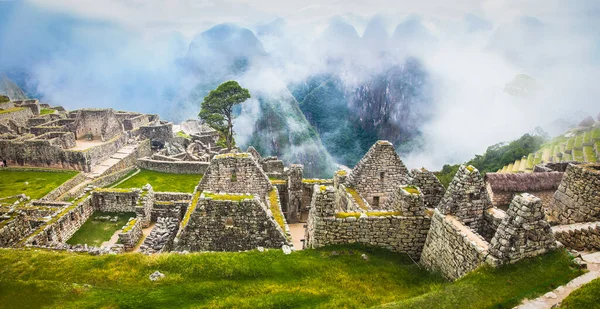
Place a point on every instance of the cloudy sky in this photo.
(190, 16)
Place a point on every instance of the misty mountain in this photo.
(412, 34)
(10, 89)
(224, 49)
(375, 33)
(350, 116)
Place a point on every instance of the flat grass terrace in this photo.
(331, 277)
(33, 182)
(160, 182)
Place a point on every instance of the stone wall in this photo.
(466, 198)
(524, 231)
(13, 230)
(161, 133)
(65, 187)
(294, 192)
(399, 233)
(135, 122)
(173, 167)
(102, 123)
(131, 234)
(62, 227)
(170, 209)
(407, 200)
(378, 174)
(235, 173)
(492, 218)
(451, 248)
(161, 237)
(432, 188)
(115, 200)
(42, 154)
(579, 236)
(578, 196)
(143, 209)
(19, 116)
(142, 149)
(226, 225)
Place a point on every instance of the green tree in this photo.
(217, 108)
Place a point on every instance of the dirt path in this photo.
(553, 298)
(297, 231)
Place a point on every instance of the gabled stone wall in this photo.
(432, 188)
(466, 198)
(235, 173)
(378, 174)
(578, 196)
(524, 231)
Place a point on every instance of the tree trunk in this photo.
(229, 138)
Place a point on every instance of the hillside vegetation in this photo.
(333, 277)
(522, 155)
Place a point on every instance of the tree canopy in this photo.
(217, 109)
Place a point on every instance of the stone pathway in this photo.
(297, 231)
(551, 299)
(113, 239)
(103, 166)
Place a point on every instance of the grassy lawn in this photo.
(585, 297)
(304, 279)
(95, 232)
(45, 111)
(162, 182)
(34, 183)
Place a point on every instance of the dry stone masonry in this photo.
(578, 196)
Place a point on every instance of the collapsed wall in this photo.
(578, 196)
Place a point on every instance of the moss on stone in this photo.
(276, 209)
(228, 197)
(129, 225)
(190, 209)
(343, 215)
(412, 190)
(357, 198)
(11, 110)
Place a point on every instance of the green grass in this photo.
(578, 155)
(579, 141)
(95, 232)
(596, 134)
(570, 143)
(584, 297)
(11, 110)
(182, 134)
(163, 182)
(303, 279)
(590, 154)
(35, 183)
(503, 287)
(46, 111)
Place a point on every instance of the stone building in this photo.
(100, 123)
(467, 231)
(378, 174)
(432, 188)
(501, 188)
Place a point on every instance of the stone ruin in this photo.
(246, 200)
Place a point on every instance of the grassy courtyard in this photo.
(304, 279)
(35, 183)
(94, 232)
(162, 182)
